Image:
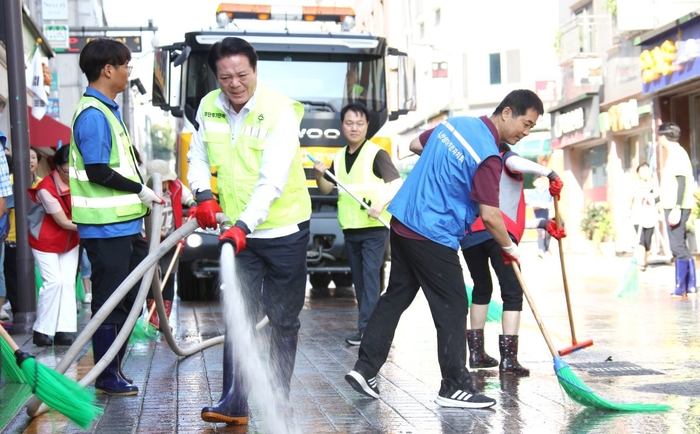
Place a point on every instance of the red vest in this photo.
(511, 202)
(53, 238)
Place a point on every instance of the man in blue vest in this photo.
(108, 196)
(250, 134)
(456, 179)
(366, 170)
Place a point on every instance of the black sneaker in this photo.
(355, 339)
(467, 397)
(361, 384)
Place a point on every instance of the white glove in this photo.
(149, 196)
(674, 217)
(512, 250)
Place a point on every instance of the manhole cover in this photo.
(614, 369)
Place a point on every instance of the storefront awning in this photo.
(532, 148)
(47, 132)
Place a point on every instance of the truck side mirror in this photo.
(406, 84)
(163, 62)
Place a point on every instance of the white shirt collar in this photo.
(224, 104)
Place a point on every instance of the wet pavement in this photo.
(646, 349)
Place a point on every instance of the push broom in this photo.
(576, 389)
(55, 390)
(575, 345)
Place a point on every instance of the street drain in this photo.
(614, 369)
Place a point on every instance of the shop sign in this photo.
(670, 59)
(54, 10)
(57, 36)
(568, 122)
(620, 117)
(575, 122)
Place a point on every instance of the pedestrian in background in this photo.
(5, 192)
(677, 202)
(456, 178)
(644, 214)
(54, 241)
(10, 260)
(175, 195)
(109, 197)
(541, 202)
(86, 274)
(250, 134)
(367, 171)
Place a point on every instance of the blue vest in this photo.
(434, 200)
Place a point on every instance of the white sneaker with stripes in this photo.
(451, 396)
(366, 386)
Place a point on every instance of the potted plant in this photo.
(598, 226)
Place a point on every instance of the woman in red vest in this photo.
(54, 241)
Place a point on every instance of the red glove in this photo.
(235, 236)
(555, 184)
(191, 212)
(206, 213)
(557, 232)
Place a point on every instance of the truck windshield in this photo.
(322, 86)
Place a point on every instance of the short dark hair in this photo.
(520, 101)
(355, 107)
(100, 52)
(642, 165)
(228, 47)
(670, 130)
(61, 156)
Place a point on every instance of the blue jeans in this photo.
(366, 254)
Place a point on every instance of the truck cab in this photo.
(322, 70)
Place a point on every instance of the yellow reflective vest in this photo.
(238, 164)
(363, 183)
(94, 203)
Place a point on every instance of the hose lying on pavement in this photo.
(145, 269)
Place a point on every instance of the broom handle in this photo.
(360, 201)
(165, 280)
(536, 314)
(563, 272)
(6, 336)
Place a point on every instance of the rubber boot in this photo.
(681, 276)
(508, 346)
(691, 287)
(122, 354)
(232, 408)
(477, 356)
(109, 382)
(168, 305)
(283, 351)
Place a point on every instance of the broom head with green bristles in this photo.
(143, 331)
(10, 370)
(580, 393)
(629, 286)
(495, 312)
(59, 392)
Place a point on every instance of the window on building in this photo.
(421, 31)
(495, 68)
(636, 151)
(437, 17)
(595, 160)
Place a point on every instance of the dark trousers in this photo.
(366, 253)
(677, 235)
(543, 237)
(436, 269)
(273, 271)
(477, 258)
(10, 268)
(112, 260)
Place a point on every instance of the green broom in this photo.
(57, 391)
(10, 371)
(629, 286)
(495, 312)
(577, 390)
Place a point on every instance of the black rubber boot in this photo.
(477, 356)
(283, 351)
(121, 354)
(508, 345)
(232, 408)
(110, 382)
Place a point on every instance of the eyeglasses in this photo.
(128, 68)
(355, 124)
